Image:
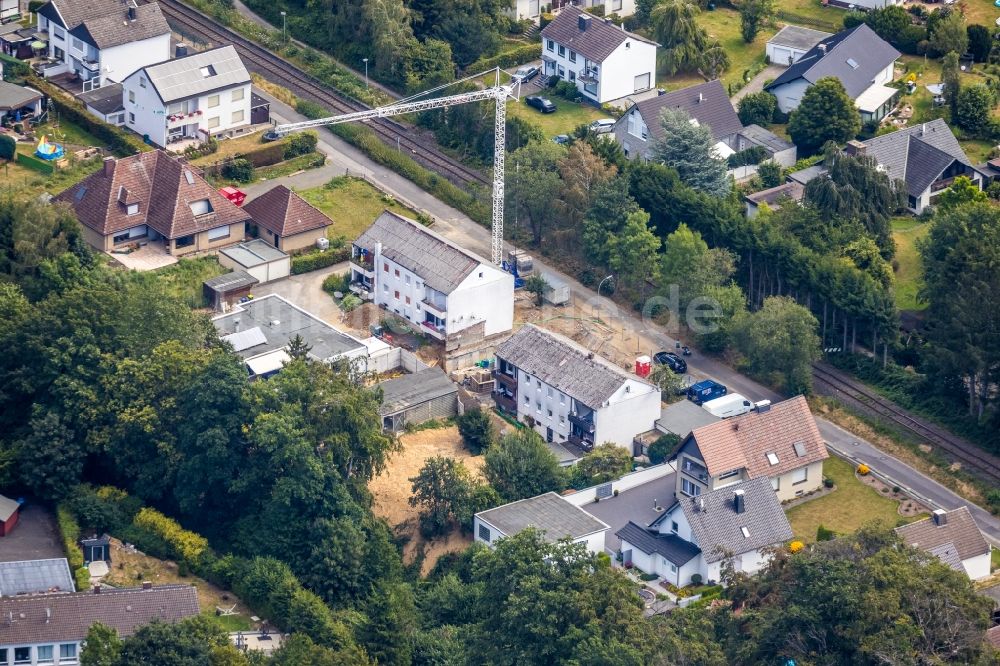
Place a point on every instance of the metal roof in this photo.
(230, 282)
(35, 577)
(253, 253)
(549, 513)
(269, 362)
(792, 190)
(13, 97)
(408, 391)
(7, 507)
(675, 549)
(244, 340)
(798, 38)
(106, 99)
(197, 74)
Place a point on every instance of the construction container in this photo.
(557, 291)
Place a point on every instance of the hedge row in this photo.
(13, 69)
(512, 58)
(185, 545)
(311, 261)
(69, 532)
(118, 141)
(35, 164)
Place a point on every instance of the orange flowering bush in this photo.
(796, 546)
(863, 469)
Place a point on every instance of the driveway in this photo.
(33, 538)
(306, 291)
(757, 83)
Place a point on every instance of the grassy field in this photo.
(568, 115)
(184, 278)
(352, 204)
(906, 231)
(724, 25)
(847, 508)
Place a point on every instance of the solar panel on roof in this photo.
(853, 63)
(243, 340)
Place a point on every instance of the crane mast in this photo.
(499, 93)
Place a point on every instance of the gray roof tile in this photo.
(182, 78)
(917, 154)
(548, 513)
(798, 37)
(718, 529)
(670, 546)
(116, 28)
(706, 102)
(14, 97)
(407, 391)
(595, 43)
(106, 99)
(562, 363)
(440, 263)
(960, 530)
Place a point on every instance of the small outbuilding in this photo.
(791, 43)
(550, 514)
(9, 510)
(47, 576)
(96, 549)
(264, 262)
(106, 103)
(19, 103)
(227, 289)
(414, 399)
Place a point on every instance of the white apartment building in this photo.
(568, 394)
(604, 61)
(195, 97)
(443, 289)
(531, 9)
(103, 40)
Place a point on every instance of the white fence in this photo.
(637, 478)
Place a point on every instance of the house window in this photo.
(385, 267)
(67, 651)
(385, 288)
(200, 207)
(77, 44)
(238, 94)
(213, 122)
(397, 272)
(673, 567)
(550, 392)
(218, 233)
(800, 475)
(213, 101)
(538, 408)
(131, 118)
(184, 241)
(775, 484)
(550, 413)
(131, 97)
(44, 654)
(22, 655)
(772, 458)
(572, 76)
(58, 32)
(407, 278)
(550, 45)
(142, 81)
(484, 533)
(3, 655)
(728, 475)
(562, 51)
(527, 400)
(674, 526)
(396, 295)
(407, 300)
(132, 209)
(562, 419)
(238, 116)
(616, 5)
(562, 71)
(562, 399)
(572, 56)
(207, 71)
(690, 488)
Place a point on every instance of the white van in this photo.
(730, 405)
(603, 126)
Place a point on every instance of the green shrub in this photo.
(104, 509)
(824, 534)
(69, 532)
(696, 579)
(648, 576)
(81, 577)
(751, 155)
(311, 261)
(335, 282)
(301, 143)
(8, 147)
(184, 544)
(14, 70)
(239, 169)
(310, 110)
(662, 448)
(350, 302)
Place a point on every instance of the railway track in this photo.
(972, 458)
(278, 70)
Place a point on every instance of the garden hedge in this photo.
(511, 58)
(35, 164)
(311, 261)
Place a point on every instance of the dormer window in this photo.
(201, 207)
(132, 209)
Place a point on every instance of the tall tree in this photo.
(520, 466)
(582, 172)
(757, 108)
(532, 176)
(610, 206)
(604, 463)
(826, 113)
(780, 342)
(961, 192)
(448, 495)
(888, 22)
(952, 80)
(633, 253)
(980, 42)
(974, 110)
(102, 646)
(692, 267)
(391, 623)
(683, 41)
(476, 429)
(754, 14)
(690, 149)
(949, 34)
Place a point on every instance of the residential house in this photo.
(779, 442)
(774, 197)
(194, 97)
(286, 220)
(156, 198)
(9, 512)
(551, 514)
(449, 292)
(105, 103)
(707, 104)
(791, 43)
(103, 40)
(954, 538)
(604, 61)
(51, 628)
(570, 395)
(860, 59)
(927, 157)
(697, 535)
(46, 576)
(261, 329)
(416, 398)
(18, 103)
(803, 176)
(532, 9)
(863, 5)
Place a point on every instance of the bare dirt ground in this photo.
(392, 491)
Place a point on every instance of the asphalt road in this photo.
(584, 303)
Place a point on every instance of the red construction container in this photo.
(643, 366)
(236, 195)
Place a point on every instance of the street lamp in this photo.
(284, 26)
(365, 60)
(602, 284)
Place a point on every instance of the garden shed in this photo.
(417, 398)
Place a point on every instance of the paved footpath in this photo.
(460, 229)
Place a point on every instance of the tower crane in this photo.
(498, 92)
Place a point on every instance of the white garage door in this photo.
(781, 55)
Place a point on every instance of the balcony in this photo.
(91, 65)
(436, 332)
(505, 402)
(589, 75)
(206, 218)
(584, 423)
(694, 470)
(435, 308)
(580, 442)
(362, 290)
(507, 381)
(178, 119)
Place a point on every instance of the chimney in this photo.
(131, 13)
(48, 615)
(855, 147)
(701, 98)
(583, 22)
(940, 517)
(109, 166)
(97, 588)
(739, 501)
(701, 505)
(923, 128)
(147, 585)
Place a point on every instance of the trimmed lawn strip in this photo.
(568, 115)
(906, 232)
(352, 204)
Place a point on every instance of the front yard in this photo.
(352, 204)
(567, 117)
(851, 505)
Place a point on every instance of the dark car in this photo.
(561, 139)
(671, 360)
(540, 103)
(525, 73)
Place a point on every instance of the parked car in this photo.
(525, 73)
(540, 103)
(561, 138)
(671, 360)
(705, 390)
(603, 126)
(732, 404)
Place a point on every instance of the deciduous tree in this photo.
(476, 429)
(780, 341)
(974, 109)
(683, 41)
(604, 463)
(949, 34)
(826, 113)
(754, 14)
(520, 465)
(757, 108)
(633, 252)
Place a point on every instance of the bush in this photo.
(239, 169)
(334, 282)
(696, 579)
(69, 532)
(863, 469)
(104, 509)
(566, 90)
(300, 143)
(14, 70)
(661, 449)
(8, 147)
(476, 429)
(311, 261)
(183, 544)
(751, 155)
(910, 38)
(350, 302)
(509, 58)
(795, 546)
(823, 534)
(757, 108)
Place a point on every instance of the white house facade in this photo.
(604, 61)
(569, 395)
(551, 514)
(103, 41)
(441, 288)
(198, 96)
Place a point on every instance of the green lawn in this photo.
(844, 510)
(184, 278)
(352, 204)
(568, 115)
(229, 623)
(64, 132)
(995, 559)
(724, 25)
(906, 231)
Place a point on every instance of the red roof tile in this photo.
(285, 213)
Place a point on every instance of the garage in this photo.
(791, 43)
(263, 262)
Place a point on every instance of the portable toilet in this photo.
(643, 366)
